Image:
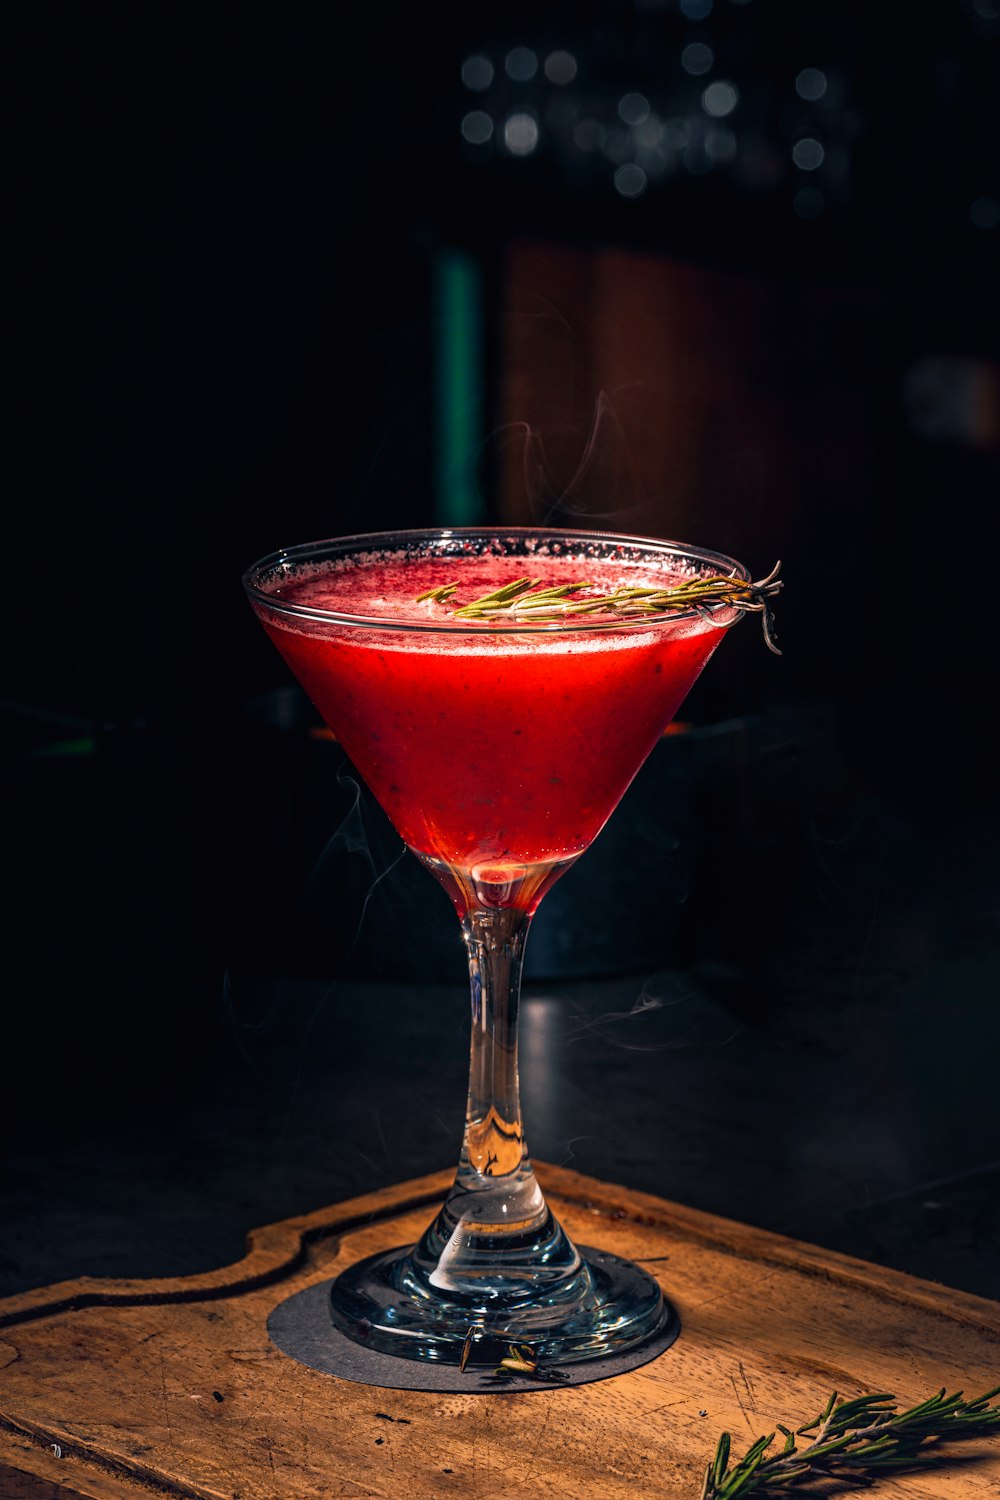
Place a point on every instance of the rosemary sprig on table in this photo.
(523, 602)
(854, 1442)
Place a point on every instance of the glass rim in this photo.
(382, 541)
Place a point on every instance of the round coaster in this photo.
(301, 1327)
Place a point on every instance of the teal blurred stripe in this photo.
(458, 388)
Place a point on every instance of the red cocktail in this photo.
(498, 744)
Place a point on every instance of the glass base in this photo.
(603, 1307)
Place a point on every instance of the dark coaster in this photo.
(301, 1327)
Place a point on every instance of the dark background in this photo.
(226, 229)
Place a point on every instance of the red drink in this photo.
(498, 754)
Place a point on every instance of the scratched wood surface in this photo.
(113, 1390)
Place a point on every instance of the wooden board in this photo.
(115, 1390)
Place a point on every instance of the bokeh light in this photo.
(560, 68)
(633, 108)
(520, 133)
(811, 84)
(521, 64)
(697, 58)
(720, 98)
(630, 180)
(477, 127)
(808, 154)
(477, 72)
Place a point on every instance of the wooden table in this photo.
(115, 1390)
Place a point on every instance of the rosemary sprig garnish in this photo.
(523, 601)
(854, 1442)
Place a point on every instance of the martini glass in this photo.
(498, 749)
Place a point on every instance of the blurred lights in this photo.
(520, 133)
(715, 130)
(617, 146)
(589, 135)
(808, 154)
(720, 99)
(477, 72)
(809, 203)
(656, 163)
(630, 180)
(560, 68)
(648, 132)
(810, 84)
(633, 108)
(985, 213)
(676, 135)
(696, 160)
(720, 145)
(521, 64)
(697, 58)
(477, 127)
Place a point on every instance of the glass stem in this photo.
(493, 1146)
(494, 1239)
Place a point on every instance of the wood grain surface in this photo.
(112, 1390)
